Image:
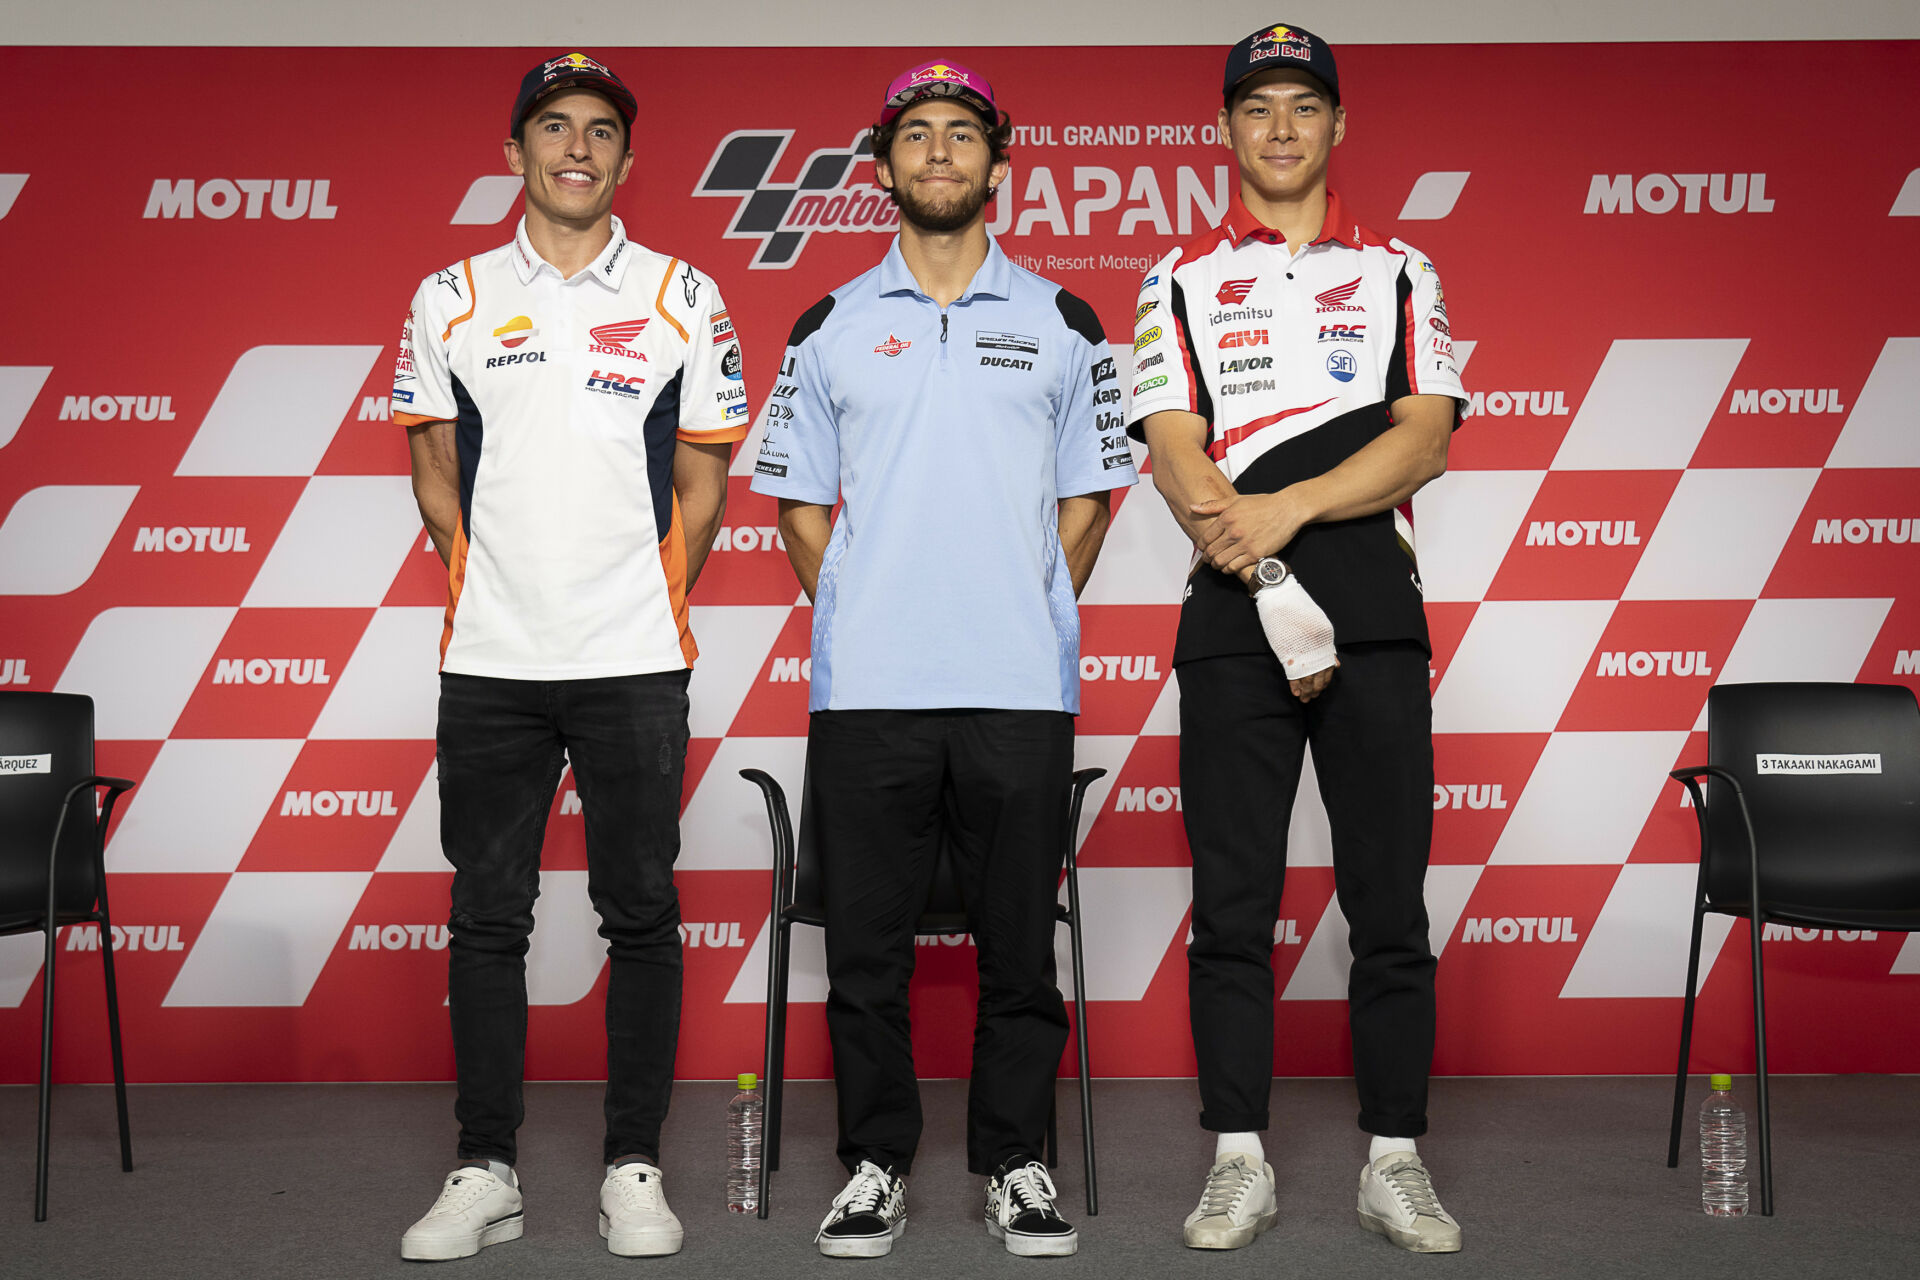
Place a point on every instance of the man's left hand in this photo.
(1249, 527)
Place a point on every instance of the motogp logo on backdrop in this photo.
(782, 216)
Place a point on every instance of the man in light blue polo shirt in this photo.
(968, 414)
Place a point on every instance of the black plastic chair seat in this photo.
(1907, 921)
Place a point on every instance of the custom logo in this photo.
(1343, 333)
(1141, 313)
(1341, 365)
(1336, 298)
(1234, 292)
(782, 216)
(1149, 385)
(1250, 365)
(1006, 342)
(625, 385)
(1147, 339)
(612, 339)
(891, 347)
(1243, 338)
(516, 331)
(1246, 388)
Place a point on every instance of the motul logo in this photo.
(1788, 400)
(1146, 800)
(338, 804)
(1907, 662)
(1518, 404)
(711, 934)
(790, 670)
(1286, 933)
(1859, 529)
(399, 937)
(1519, 929)
(132, 937)
(1459, 795)
(116, 409)
(1131, 667)
(14, 671)
(1787, 933)
(286, 198)
(1662, 662)
(194, 537)
(271, 671)
(1661, 193)
(1582, 533)
(762, 537)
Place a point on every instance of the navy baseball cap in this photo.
(1282, 46)
(572, 71)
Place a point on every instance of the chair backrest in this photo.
(945, 911)
(1831, 774)
(46, 745)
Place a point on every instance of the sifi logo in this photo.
(1522, 929)
(1788, 400)
(1874, 529)
(1341, 365)
(131, 937)
(1337, 298)
(398, 937)
(891, 347)
(625, 385)
(288, 198)
(1582, 533)
(338, 804)
(1131, 667)
(116, 409)
(783, 215)
(1234, 292)
(197, 537)
(1243, 338)
(1659, 193)
(516, 331)
(1657, 663)
(14, 671)
(608, 339)
(271, 671)
(1460, 795)
(1518, 404)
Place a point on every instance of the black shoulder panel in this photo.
(1080, 318)
(816, 315)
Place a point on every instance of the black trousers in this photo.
(1242, 738)
(886, 788)
(500, 758)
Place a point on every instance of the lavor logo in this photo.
(1246, 366)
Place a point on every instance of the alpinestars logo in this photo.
(1234, 292)
(782, 215)
(1336, 299)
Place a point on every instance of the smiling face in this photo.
(940, 166)
(1283, 128)
(573, 153)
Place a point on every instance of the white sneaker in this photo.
(1237, 1204)
(634, 1218)
(475, 1209)
(867, 1216)
(1397, 1201)
(1020, 1211)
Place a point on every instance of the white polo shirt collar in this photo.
(608, 270)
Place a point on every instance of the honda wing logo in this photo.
(782, 215)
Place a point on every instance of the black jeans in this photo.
(500, 755)
(887, 788)
(1242, 739)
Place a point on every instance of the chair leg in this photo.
(1686, 1039)
(46, 1071)
(777, 1096)
(1760, 1063)
(1080, 1035)
(113, 1037)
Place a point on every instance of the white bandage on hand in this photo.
(1296, 627)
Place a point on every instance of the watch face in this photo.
(1270, 572)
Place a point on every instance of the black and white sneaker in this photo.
(1020, 1211)
(867, 1215)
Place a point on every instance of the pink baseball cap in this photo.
(939, 79)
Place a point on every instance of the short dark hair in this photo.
(999, 138)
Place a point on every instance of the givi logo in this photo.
(287, 198)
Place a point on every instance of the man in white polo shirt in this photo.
(966, 412)
(1294, 379)
(570, 399)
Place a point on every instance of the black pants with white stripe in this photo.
(1242, 739)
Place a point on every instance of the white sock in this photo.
(1247, 1144)
(1384, 1146)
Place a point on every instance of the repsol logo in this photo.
(1147, 800)
(517, 357)
(14, 671)
(1142, 666)
(1519, 929)
(338, 804)
(1582, 533)
(193, 537)
(1660, 662)
(399, 937)
(1787, 933)
(1788, 400)
(130, 937)
(117, 409)
(790, 671)
(711, 934)
(271, 671)
(1462, 795)
(749, 537)
(1662, 193)
(1859, 529)
(286, 198)
(1518, 404)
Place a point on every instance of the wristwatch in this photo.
(1270, 572)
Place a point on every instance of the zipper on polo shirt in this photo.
(943, 326)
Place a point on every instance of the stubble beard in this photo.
(941, 216)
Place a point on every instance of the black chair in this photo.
(1810, 816)
(52, 864)
(797, 900)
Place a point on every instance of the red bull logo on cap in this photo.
(572, 63)
(1281, 42)
(941, 71)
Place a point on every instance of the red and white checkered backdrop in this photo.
(1678, 289)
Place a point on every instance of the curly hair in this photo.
(999, 137)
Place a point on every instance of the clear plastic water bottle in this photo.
(746, 1119)
(1723, 1152)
